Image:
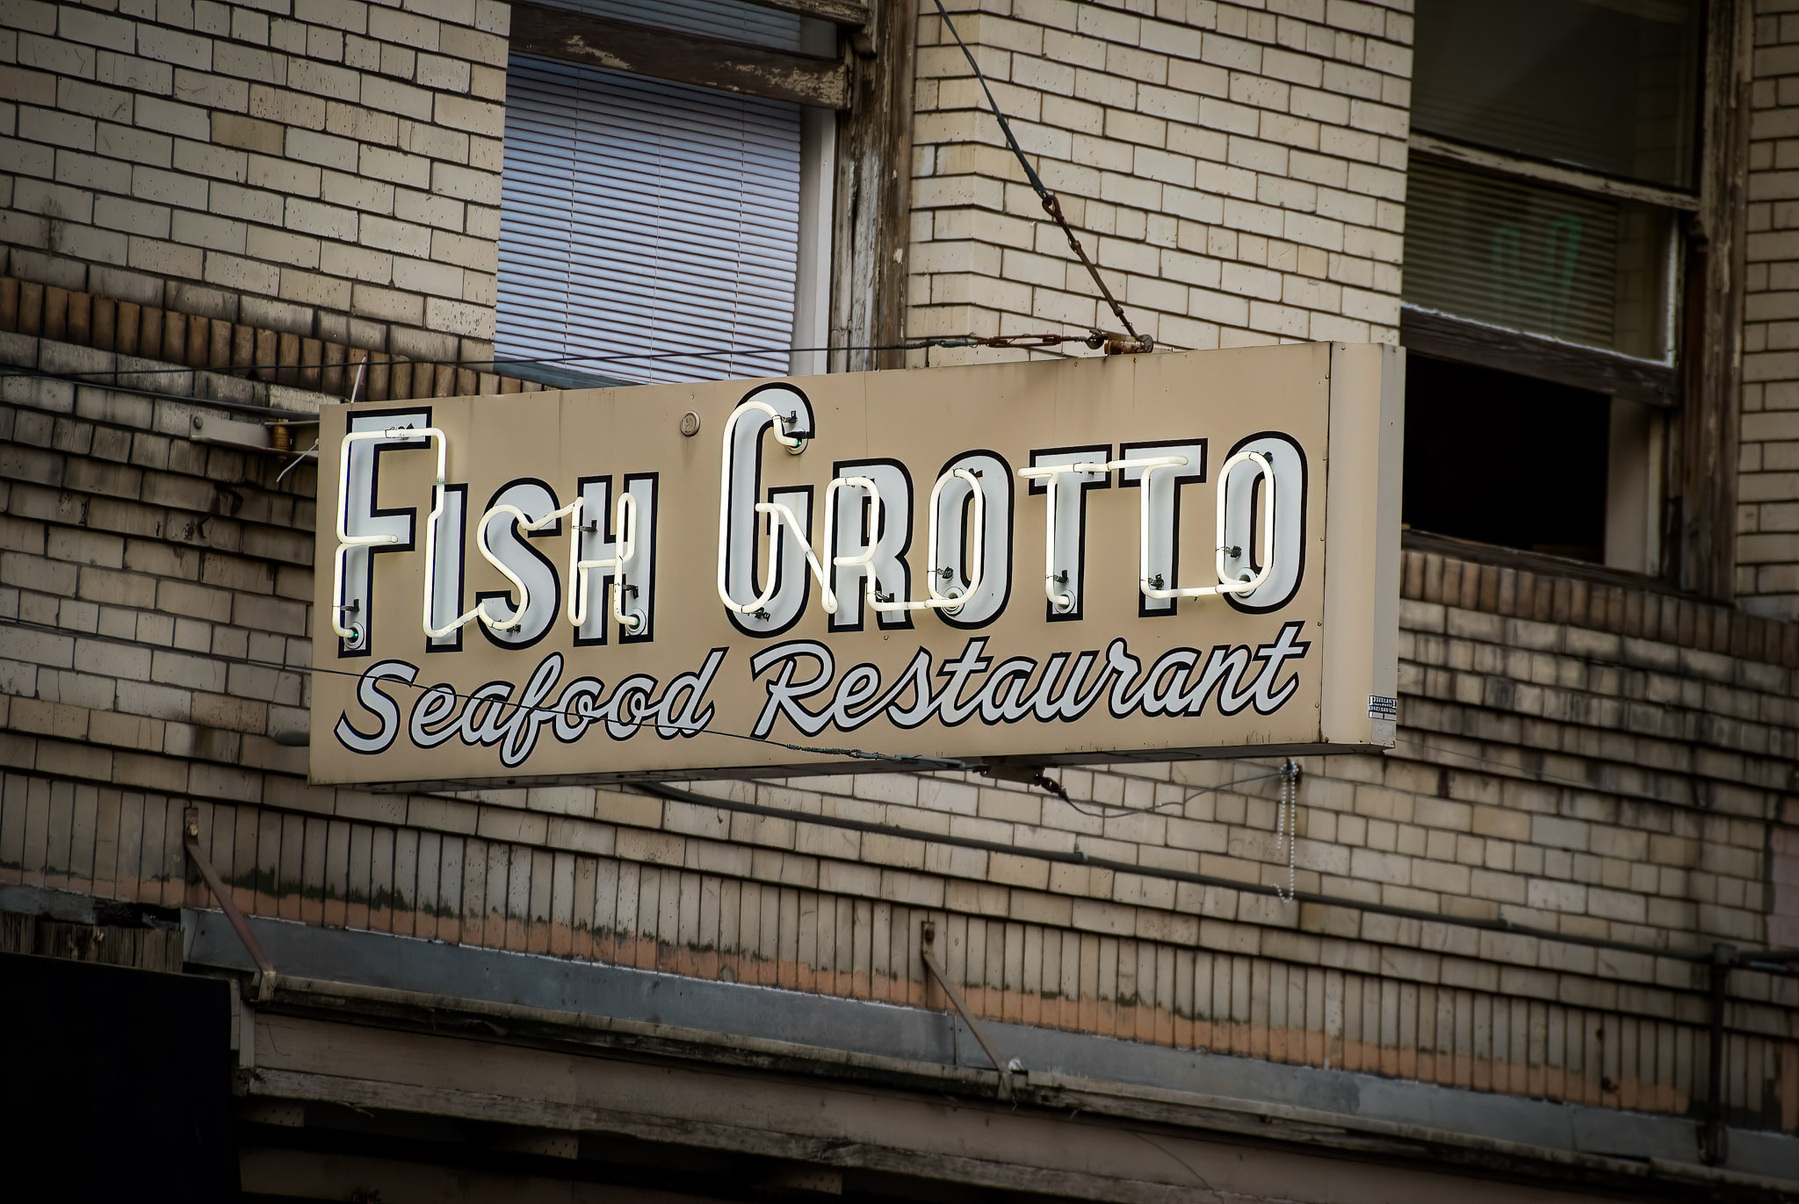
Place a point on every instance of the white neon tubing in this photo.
(479, 610)
(624, 521)
(778, 511)
(1246, 584)
(936, 599)
(346, 541)
(862, 559)
(1049, 474)
(866, 555)
(630, 620)
(792, 444)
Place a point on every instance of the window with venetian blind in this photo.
(641, 214)
(1554, 163)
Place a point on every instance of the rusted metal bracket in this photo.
(1003, 769)
(1005, 1069)
(1095, 339)
(263, 986)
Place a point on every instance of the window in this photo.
(1554, 167)
(1584, 269)
(643, 213)
(1608, 85)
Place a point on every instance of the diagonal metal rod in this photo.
(1051, 205)
(961, 1006)
(265, 977)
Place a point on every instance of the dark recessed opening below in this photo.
(1505, 459)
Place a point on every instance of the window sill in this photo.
(1544, 564)
(554, 376)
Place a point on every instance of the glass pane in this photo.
(632, 204)
(1584, 269)
(1609, 85)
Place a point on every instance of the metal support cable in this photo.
(1096, 340)
(1052, 205)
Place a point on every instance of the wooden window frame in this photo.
(1702, 381)
(1465, 341)
(1702, 482)
(850, 13)
(869, 268)
(684, 58)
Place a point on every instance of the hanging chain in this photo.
(1286, 825)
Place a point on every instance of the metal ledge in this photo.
(350, 972)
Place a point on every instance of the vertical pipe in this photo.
(1711, 1130)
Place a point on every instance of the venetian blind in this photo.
(640, 215)
(1510, 253)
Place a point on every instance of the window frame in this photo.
(1698, 387)
(855, 147)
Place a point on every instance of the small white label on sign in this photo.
(1383, 715)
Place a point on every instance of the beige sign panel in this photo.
(1146, 556)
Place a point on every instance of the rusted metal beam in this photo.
(838, 12)
(681, 57)
(190, 831)
(974, 1026)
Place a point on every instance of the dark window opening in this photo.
(1505, 459)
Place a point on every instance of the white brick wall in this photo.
(1236, 170)
(1552, 775)
(326, 167)
(1768, 487)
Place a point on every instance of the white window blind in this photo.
(640, 215)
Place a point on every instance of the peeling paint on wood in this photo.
(680, 57)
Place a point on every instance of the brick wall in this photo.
(324, 168)
(1768, 484)
(1556, 784)
(1586, 782)
(1238, 171)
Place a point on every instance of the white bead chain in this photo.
(1287, 824)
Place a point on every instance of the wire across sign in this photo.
(1131, 557)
